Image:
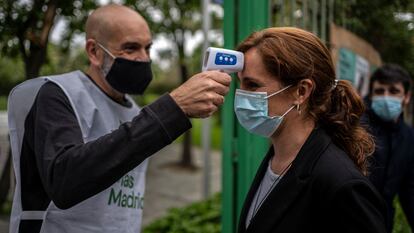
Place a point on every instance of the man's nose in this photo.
(387, 93)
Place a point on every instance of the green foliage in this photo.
(12, 68)
(400, 222)
(3, 103)
(5, 209)
(26, 21)
(172, 15)
(176, 20)
(11, 73)
(25, 27)
(199, 217)
(390, 35)
(61, 62)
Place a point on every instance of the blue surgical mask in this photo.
(388, 108)
(252, 111)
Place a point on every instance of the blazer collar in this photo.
(286, 192)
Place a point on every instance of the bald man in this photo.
(80, 144)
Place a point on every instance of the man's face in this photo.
(131, 39)
(394, 90)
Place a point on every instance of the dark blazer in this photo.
(322, 192)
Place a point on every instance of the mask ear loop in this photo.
(277, 92)
(106, 50)
(290, 109)
(284, 114)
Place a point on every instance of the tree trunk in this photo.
(38, 40)
(186, 157)
(34, 61)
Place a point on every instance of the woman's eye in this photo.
(252, 85)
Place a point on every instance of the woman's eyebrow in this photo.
(248, 78)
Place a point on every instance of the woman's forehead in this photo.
(254, 67)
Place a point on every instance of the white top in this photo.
(269, 181)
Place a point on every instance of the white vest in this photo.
(116, 209)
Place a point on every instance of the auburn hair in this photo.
(292, 54)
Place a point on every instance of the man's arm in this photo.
(72, 171)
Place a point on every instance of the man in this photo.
(392, 164)
(80, 144)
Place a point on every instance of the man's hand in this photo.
(202, 94)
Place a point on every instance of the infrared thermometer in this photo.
(225, 60)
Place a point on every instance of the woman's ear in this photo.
(303, 91)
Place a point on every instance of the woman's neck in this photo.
(288, 142)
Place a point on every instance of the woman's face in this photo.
(254, 77)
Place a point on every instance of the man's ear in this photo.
(303, 91)
(407, 98)
(92, 52)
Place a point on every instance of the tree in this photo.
(381, 26)
(178, 20)
(25, 27)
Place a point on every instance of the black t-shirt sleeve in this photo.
(71, 170)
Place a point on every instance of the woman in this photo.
(312, 179)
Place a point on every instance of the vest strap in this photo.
(32, 215)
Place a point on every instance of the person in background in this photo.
(80, 143)
(313, 176)
(392, 164)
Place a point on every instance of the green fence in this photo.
(242, 152)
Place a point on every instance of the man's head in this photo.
(389, 91)
(115, 31)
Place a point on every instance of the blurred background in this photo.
(44, 37)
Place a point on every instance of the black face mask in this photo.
(128, 76)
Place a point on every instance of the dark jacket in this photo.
(392, 164)
(322, 192)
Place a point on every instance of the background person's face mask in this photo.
(252, 111)
(126, 76)
(387, 108)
